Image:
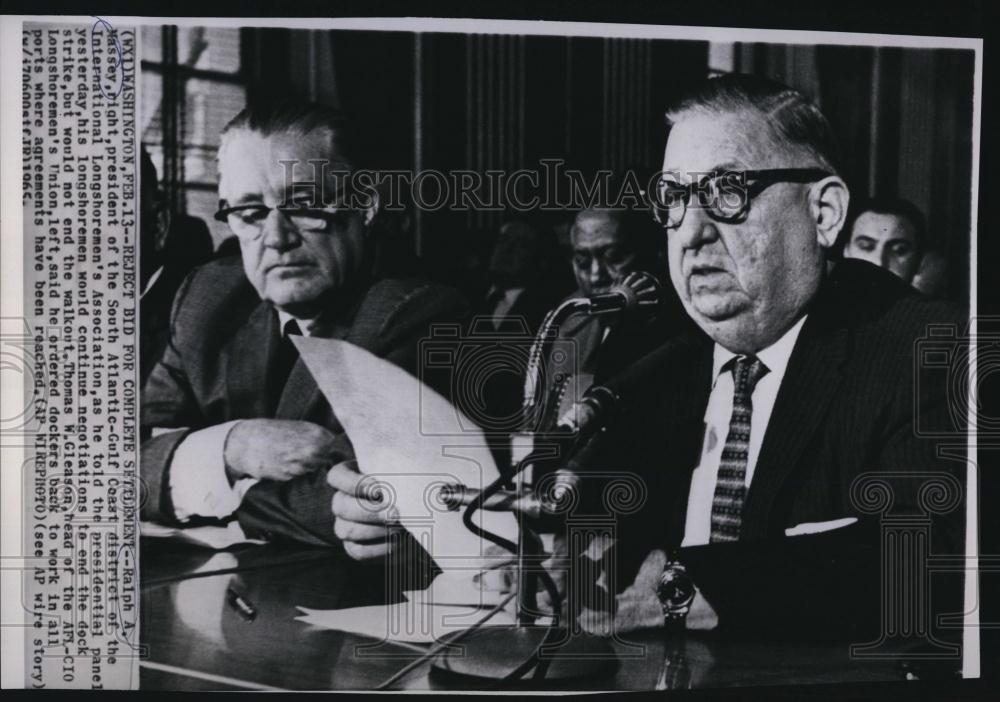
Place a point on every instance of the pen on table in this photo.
(240, 604)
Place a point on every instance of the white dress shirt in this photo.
(698, 525)
(197, 472)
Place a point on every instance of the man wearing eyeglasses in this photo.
(755, 435)
(240, 429)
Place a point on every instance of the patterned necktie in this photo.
(730, 487)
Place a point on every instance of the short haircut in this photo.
(293, 117)
(792, 118)
(895, 206)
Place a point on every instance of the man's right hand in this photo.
(277, 449)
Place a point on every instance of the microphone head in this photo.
(640, 290)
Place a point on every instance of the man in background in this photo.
(889, 232)
(607, 245)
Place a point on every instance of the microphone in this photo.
(526, 502)
(593, 412)
(636, 291)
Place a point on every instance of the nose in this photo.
(598, 273)
(278, 232)
(696, 230)
(885, 257)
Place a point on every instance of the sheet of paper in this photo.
(412, 441)
(479, 589)
(214, 537)
(408, 622)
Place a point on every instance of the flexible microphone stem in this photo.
(539, 350)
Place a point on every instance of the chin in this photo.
(717, 308)
(294, 295)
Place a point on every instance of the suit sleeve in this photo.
(167, 403)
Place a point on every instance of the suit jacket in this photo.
(223, 341)
(849, 404)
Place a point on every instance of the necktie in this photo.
(284, 361)
(730, 486)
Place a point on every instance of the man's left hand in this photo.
(638, 607)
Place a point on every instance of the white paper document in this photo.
(412, 441)
(214, 537)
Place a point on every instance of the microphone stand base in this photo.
(493, 653)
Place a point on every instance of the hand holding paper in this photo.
(409, 441)
(361, 517)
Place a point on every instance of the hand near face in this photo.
(362, 519)
(277, 449)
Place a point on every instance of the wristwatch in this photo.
(676, 592)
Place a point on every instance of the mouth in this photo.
(289, 267)
(706, 270)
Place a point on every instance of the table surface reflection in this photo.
(196, 640)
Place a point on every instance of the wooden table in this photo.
(198, 641)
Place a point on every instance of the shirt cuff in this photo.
(198, 483)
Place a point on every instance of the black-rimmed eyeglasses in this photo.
(724, 195)
(247, 221)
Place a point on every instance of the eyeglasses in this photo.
(725, 196)
(247, 221)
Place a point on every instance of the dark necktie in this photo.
(730, 486)
(284, 361)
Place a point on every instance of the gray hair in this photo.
(791, 117)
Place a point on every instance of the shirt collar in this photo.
(306, 326)
(775, 356)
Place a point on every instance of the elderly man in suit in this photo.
(236, 426)
(760, 429)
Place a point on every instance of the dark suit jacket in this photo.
(846, 406)
(223, 341)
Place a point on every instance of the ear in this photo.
(373, 205)
(162, 226)
(828, 202)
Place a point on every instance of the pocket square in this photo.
(818, 527)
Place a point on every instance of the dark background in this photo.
(490, 101)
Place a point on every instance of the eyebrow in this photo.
(242, 200)
(717, 168)
(597, 249)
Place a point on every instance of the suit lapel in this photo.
(249, 356)
(684, 432)
(814, 372)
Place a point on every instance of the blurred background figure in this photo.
(170, 246)
(889, 232)
(932, 277)
(522, 285)
(523, 281)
